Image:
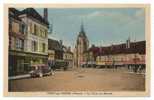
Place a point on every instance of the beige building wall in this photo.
(41, 36)
(51, 55)
(120, 58)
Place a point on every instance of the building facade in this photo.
(130, 54)
(37, 35)
(90, 56)
(17, 32)
(68, 56)
(59, 56)
(81, 46)
(35, 41)
(55, 50)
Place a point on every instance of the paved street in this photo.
(83, 80)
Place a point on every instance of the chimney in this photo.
(61, 42)
(45, 14)
(92, 45)
(69, 48)
(128, 43)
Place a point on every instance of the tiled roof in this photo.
(135, 47)
(14, 13)
(33, 13)
(54, 45)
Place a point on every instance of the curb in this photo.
(19, 77)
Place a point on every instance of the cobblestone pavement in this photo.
(84, 79)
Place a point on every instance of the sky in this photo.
(103, 26)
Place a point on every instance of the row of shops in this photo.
(21, 62)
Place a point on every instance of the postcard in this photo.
(77, 50)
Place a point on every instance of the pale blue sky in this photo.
(103, 26)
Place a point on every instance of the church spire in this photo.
(82, 32)
(82, 27)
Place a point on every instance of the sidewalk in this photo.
(19, 76)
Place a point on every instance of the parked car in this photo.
(40, 71)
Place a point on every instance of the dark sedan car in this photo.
(40, 71)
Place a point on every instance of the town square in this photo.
(86, 79)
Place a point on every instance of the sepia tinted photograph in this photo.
(77, 50)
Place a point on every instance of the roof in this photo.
(14, 13)
(135, 47)
(69, 52)
(31, 12)
(54, 45)
(67, 49)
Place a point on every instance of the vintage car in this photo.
(40, 70)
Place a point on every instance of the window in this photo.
(43, 33)
(43, 45)
(31, 28)
(20, 44)
(35, 29)
(40, 32)
(17, 43)
(46, 33)
(15, 27)
(22, 28)
(34, 46)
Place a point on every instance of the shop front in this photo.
(21, 62)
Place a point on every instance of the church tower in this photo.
(81, 46)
